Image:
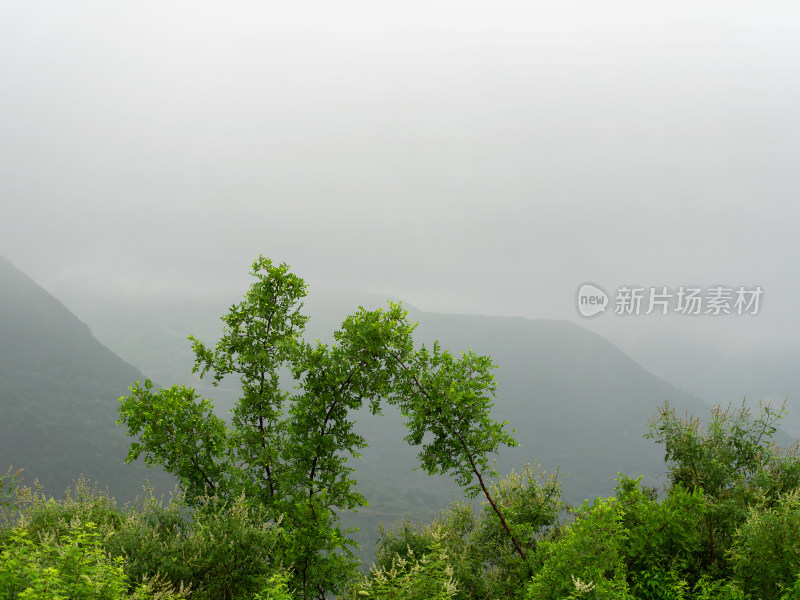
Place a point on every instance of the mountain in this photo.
(577, 402)
(59, 390)
(767, 374)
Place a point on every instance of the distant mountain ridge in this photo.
(58, 395)
(576, 400)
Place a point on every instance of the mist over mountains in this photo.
(577, 402)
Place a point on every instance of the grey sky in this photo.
(482, 157)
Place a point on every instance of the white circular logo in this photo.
(591, 300)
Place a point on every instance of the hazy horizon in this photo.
(467, 157)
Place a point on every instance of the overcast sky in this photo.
(481, 157)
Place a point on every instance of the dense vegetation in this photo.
(727, 526)
(59, 396)
(257, 512)
(287, 453)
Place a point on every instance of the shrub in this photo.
(218, 550)
(73, 566)
(414, 577)
(586, 558)
(766, 549)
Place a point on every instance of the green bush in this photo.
(41, 514)
(217, 550)
(766, 549)
(222, 550)
(73, 566)
(483, 557)
(717, 589)
(9, 487)
(662, 538)
(737, 465)
(587, 558)
(414, 577)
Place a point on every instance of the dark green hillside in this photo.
(58, 395)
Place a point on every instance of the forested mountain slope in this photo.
(59, 390)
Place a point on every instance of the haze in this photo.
(477, 157)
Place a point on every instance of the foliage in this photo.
(450, 399)
(215, 550)
(276, 588)
(288, 452)
(428, 576)
(636, 544)
(662, 537)
(404, 542)
(73, 566)
(708, 588)
(724, 529)
(532, 504)
(484, 560)
(84, 502)
(11, 494)
(291, 462)
(766, 551)
(639, 544)
(222, 550)
(591, 550)
(257, 513)
(178, 432)
(736, 464)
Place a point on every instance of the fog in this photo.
(475, 157)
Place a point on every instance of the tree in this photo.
(288, 451)
(451, 399)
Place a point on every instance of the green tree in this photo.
(288, 451)
(451, 399)
(662, 537)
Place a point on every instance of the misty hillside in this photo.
(577, 402)
(757, 374)
(58, 395)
